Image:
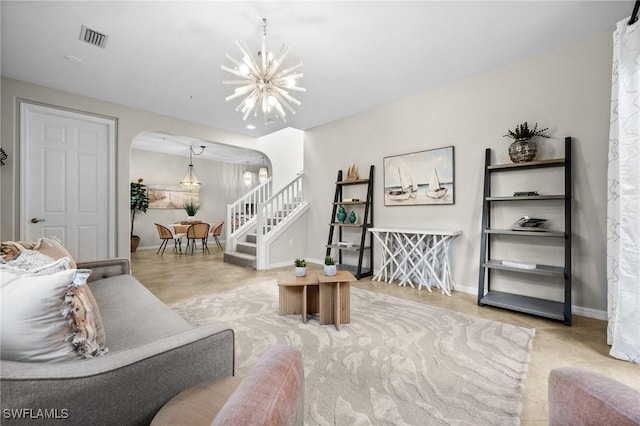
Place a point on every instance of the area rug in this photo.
(397, 363)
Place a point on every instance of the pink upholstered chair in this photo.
(579, 397)
(272, 394)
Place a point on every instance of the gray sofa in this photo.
(153, 355)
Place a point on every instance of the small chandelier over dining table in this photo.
(266, 88)
(263, 173)
(190, 181)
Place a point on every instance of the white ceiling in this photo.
(165, 56)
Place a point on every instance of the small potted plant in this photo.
(523, 148)
(301, 267)
(329, 268)
(191, 207)
(139, 201)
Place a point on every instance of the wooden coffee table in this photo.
(335, 301)
(298, 295)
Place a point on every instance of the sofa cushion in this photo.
(31, 261)
(9, 250)
(132, 315)
(35, 315)
(53, 248)
(86, 324)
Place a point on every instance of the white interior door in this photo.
(67, 185)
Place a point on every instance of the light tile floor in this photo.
(176, 277)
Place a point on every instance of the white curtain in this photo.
(623, 211)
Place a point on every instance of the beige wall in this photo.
(131, 122)
(567, 90)
(221, 185)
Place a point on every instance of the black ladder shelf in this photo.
(502, 299)
(344, 229)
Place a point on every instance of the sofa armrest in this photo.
(106, 268)
(126, 387)
(581, 397)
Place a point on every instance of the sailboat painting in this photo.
(405, 191)
(420, 178)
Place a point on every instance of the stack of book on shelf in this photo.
(345, 244)
(526, 223)
(518, 264)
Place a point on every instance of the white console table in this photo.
(418, 256)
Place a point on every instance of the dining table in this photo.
(181, 228)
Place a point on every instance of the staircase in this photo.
(253, 230)
(244, 254)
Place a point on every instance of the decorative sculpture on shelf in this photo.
(352, 172)
(342, 214)
(352, 217)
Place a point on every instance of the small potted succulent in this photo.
(301, 267)
(523, 148)
(329, 268)
(191, 207)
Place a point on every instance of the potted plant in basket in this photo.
(523, 149)
(139, 203)
(191, 207)
(301, 267)
(329, 267)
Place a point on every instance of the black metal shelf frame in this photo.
(367, 222)
(516, 302)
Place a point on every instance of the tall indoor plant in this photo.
(139, 203)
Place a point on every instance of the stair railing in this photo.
(273, 212)
(242, 213)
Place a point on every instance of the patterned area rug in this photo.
(397, 363)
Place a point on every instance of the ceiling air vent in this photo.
(93, 37)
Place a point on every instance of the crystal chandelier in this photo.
(190, 181)
(266, 88)
(247, 177)
(263, 173)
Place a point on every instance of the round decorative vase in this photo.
(522, 150)
(301, 271)
(329, 270)
(352, 217)
(342, 214)
(191, 218)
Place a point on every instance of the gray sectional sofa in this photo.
(153, 355)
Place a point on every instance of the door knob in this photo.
(36, 220)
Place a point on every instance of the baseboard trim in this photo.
(576, 310)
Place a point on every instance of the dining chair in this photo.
(216, 231)
(198, 231)
(166, 235)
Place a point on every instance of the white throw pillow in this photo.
(33, 308)
(32, 261)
